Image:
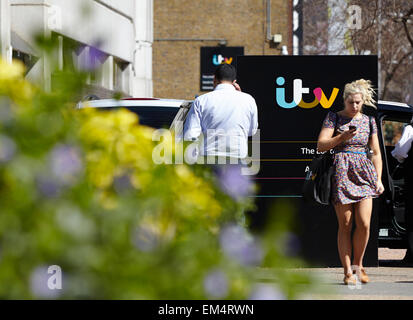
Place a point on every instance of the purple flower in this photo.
(66, 164)
(238, 244)
(93, 59)
(122, 184)
(145, 238)
(266, 292)
(48, 187)
(233, 182)
(7, 149)
(216, 284)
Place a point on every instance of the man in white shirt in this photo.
(403, 152)
(223, 119)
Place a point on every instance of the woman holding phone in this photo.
(357, 178)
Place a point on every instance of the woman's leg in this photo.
(344, 214)
(362, 232)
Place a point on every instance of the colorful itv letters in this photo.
(219, 59)
(298, 91)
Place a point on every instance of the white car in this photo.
(152, 112)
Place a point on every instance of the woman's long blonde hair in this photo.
(361, 86)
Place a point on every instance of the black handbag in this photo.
(317, 183)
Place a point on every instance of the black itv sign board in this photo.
(289, 133)
(211, 57)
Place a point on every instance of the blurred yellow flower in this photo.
(10, 71)
(13, 84)
(117, 144)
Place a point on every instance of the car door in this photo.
(392, 126)
(178, 123)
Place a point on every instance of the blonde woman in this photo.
(357, 179)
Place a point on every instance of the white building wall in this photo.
(114, 26)
(5, 30)
(124, 6)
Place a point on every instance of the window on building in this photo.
(121, 76)
(70, 53)
(96, 59)
(104, 71)
(23, 51)
(28, 60)
(91, 60)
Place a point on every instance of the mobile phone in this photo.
(352, 128)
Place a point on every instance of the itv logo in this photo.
(219, 59)
(298, 91)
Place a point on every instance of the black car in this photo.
(391, 119)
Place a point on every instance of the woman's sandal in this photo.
(362, 275)
(349, 279)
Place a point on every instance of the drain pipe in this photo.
(269, 35)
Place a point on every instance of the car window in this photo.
(155, 117)
(179, 121)
(392, 132)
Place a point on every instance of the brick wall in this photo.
(176, 64)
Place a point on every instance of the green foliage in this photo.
(79, 189)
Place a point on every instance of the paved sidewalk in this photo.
(393, 280)
(387, 283)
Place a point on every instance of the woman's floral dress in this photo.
(355, 177)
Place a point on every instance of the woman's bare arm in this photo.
(326, 141)
(376, 157)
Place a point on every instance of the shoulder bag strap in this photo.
(368, 151)
(371, 124)
(335, 129)
(336, 122)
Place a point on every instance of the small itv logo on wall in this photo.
(219, 59)
(211, 58)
